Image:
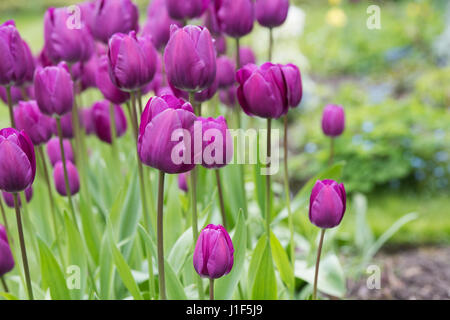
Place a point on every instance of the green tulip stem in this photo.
(211, 289)
(331, 159)
(5, 221)
(268, 182)
(66, 176)
(112, 120)
(22, 247)
(5, 286)
(288, 193)
(316, 275)
(270, 43)
(221, 201)
(10, 106)
(160, 230)
(238, 56)
(139, 94)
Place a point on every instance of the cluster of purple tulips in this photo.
(183, 65)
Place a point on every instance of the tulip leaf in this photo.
(282, 262)
(226, 285)
(106, 269)
(256, 260)
(52, 275)
(265, 285)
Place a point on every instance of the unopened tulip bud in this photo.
(186, 9)
(182, 181)
(74, 179)
(333, 120)
(13, 58)
(6, 257)
(236, 17)
(102, 120)
(37, 125)
(327, 204)
(54, 151)
(9, 197)
(271, 13)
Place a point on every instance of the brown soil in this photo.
(408, 274)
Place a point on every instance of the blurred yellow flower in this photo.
(336, 17)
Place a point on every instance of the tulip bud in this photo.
(16, 95)
(246, 56)
(213, 254)
(131, 61)
(105, 85)
(30, 66)
(6, 257)
(54, 151)
(207, 93)
(226, 71)
(157, 81)
(210, 20)
(271, 13)
(333, 120)
(268, 91)
(236, 17)
(53, 88)
(220, 44)
(110, 17)
(9, 197)
(182, 181)
(66, 39)
(13, 59)
(85, 73)
(43, 60)
(228, 96)
(66, 126)
(163, 117)
(17, 160)
(158, 23)
(72, 173)
(190, 58)
(327, 204)
(29, 118)
(186, 9)
(87, 121)
(102, 121)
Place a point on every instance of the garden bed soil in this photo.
(408, 274)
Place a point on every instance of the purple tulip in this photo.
(30, 66)
(220, 44)
(110, 17)
(131, 60)
(271, 13)
(16, 95)
(182, 181)
(54, 151)
(268, 91)
(43, 60)
(210, 20)
(53, 88)
(228, 96)
(29, 118)
(190, 58)
(217, 147)
(166, 91)
(333, 120)
(13, 57)
(236, 17)
(86, 120)
(6, 257)
(17, 160)
(327, 204)
(66, 126)
(9, 197)
(207, 93)
(186, 9)
(102, 121)
(158, 79)
(214, 252)
(105, 85)
(72, 173)
(158, 23)
(161, 119)
(66, 39)
(226, 70)
(85, 72)
(246, 56)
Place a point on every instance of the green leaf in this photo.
(265, 285)
(256, 260)
(225, 286)
(52, 276)
(282, 262)
(106, 272)
(8, 296)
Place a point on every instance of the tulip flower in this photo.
(53, 89)
(54, 151)
(17, 160)
(246, 55)
(6, 257)
(161, 117)
(110, 17)
(30, 66)
(66, 126)
(16, 95)
(9, 197)
(43, 60)
(29, 118)
(131, 61)
(182, 181)
(333, 120)
(85, 72)
(226, 70)
(217, 146)
(158, 23)
(228, 96)
(271, 13)
(186, 9)
(327, 206)
(213, 254)
(158, 79)
(102, 121)
(66, 39)
(235, 17)
(13, 56)
(220, 44)
(190, 58)
(268, 91)
(86, 120)
(207, 93)
(72, 173)
(105, 85)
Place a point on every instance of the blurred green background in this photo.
(393, 82)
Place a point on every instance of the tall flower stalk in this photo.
(160, 232)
